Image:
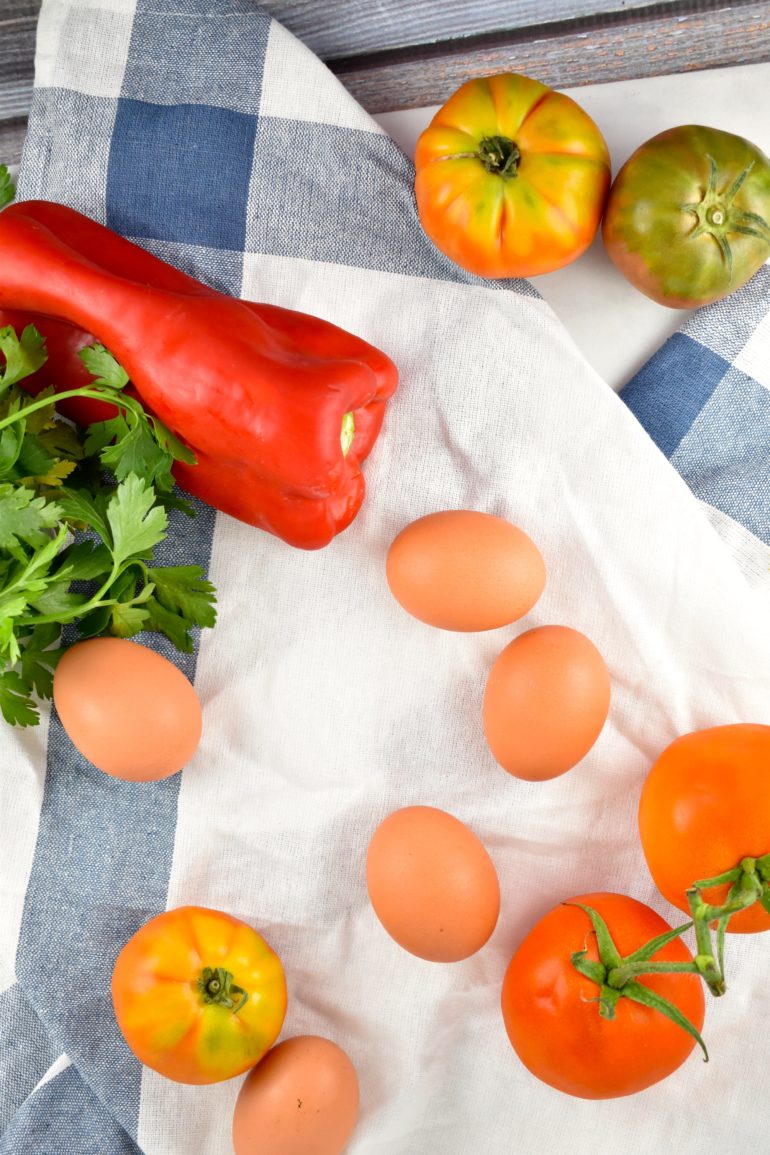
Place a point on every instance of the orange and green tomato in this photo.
(688, 215)
(511, 177)
(199, 996)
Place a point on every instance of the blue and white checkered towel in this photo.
(207, 133)
(704, 398)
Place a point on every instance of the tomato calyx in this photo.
(216, 985)
(717, 215)
(749, 882)
(617, 977)
(499, 155)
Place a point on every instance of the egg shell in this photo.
(127, 709)
(432, 884)
(546, 700)
(301, 1099)
(464, 570)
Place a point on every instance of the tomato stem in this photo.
(217, 985)
(499, 155)
(619, 976)
(716, 215)
(749, 883)
(616, 976)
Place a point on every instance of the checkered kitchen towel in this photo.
(704, 397)
(204, 131)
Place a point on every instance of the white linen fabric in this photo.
(213, 137)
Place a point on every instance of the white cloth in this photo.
(326, 706)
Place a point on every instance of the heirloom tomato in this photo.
(511, 177)
(688, 215)
(198, 995)
(704, 816)
(581, 1008)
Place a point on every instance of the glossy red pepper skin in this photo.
(257, 392)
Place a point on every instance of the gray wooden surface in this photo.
(408, 53)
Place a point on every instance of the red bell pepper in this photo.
(265, 397)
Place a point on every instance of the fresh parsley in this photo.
(81, 512)
(7, 190)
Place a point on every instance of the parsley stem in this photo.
(96, 394)
(93, 603)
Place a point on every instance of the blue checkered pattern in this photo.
(158, 129)
(704, 398)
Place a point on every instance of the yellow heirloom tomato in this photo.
(199, 995)
(511, 177)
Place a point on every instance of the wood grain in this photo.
(650, 45)
(400, 54)
(352, 27)
(12, 133)
(18, 19)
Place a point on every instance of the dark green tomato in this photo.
(688, 216)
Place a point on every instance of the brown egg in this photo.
(432, 884)
(546, 701)
(465, 570)
(127, 709)
(301, 1099)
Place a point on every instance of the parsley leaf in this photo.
(11, 441)
(184, 590)
(16, 701)
(136, 451)
(84, 561)
(136, 523)
(182, 598)
(24, 519)
(84, 509)
(175, 628)
(173, 446)
(23, 355)
(101, 364)
(38, 661)
(127, 619)
(7, 189)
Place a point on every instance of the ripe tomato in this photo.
(688, 215)
(705, 807)
(198, 995)
(511, 177)
(552, 1011)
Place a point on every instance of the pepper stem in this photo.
(216, 985)
(347, 433)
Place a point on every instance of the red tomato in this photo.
(705, 807)
(511, 177)
(198, 995)
(552, 1015)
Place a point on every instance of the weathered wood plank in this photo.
(12, 135)
(352, 27)
(652, 45)
(18, 20)
(646, 40)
